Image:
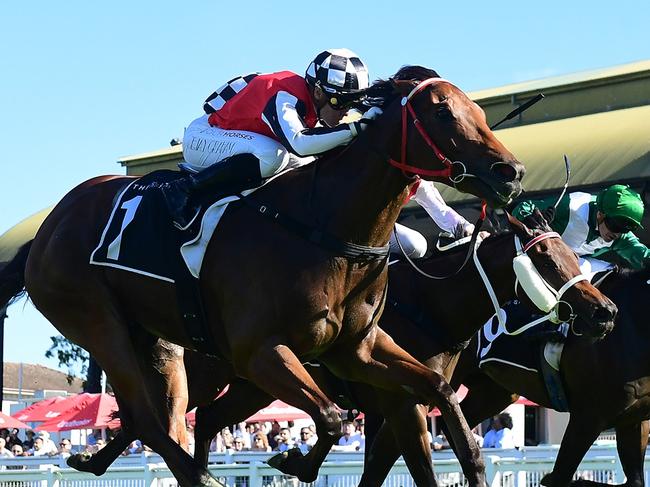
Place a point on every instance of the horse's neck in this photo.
(630, 294)
(359, 195)
(465, 295)
(496, 257)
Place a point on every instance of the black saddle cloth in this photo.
(140, 236)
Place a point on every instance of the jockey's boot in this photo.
(229, 176)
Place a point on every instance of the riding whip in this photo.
(518, 110)
(567, 166)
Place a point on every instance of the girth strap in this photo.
(349, 250)
(190, 307)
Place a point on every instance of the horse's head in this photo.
(552, 277)
(443, 135)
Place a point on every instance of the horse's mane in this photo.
(627, 274)
(628, 289)
(382, 92)
(534, 221)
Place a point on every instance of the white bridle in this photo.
(540, 292)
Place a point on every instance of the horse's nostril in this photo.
(505, 171)
(605, 313)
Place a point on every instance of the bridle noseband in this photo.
(552, 315)
(414, 171)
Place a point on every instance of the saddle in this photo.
(537, 350)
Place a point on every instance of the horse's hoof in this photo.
(207, 480)
(477, 483)
(82, 462)
(292, 462)
(277, 461)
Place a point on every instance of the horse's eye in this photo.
(444, 113)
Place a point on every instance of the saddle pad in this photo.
(139, 236)
(494, 345)
(193, 250)
(526, 351)
(553, 350)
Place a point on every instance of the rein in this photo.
(472, 240)
(553, 314)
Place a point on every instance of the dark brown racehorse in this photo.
(274, 299)
(432, 320)
(607, 383)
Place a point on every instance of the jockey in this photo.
(593, 225)
(258, 125)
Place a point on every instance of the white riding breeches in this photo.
(412, 241)
(591, 266)
(204, 145)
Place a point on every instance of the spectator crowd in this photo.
(266, 436)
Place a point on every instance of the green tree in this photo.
(71, 356)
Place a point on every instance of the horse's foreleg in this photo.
(242, 400)
(631, 442)
(98, 463)
(381, 362)
(404, 431)
(277, 370)
(485, 399)
(381, 452)
(580, 434)
(409, 425)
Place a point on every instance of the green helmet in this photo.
(622, 205)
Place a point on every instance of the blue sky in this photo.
(84, 83)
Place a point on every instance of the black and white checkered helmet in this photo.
(338, 71)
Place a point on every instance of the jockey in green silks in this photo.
(595, 224)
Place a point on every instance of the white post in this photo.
(254, 475)
(490, 468)
(103, 382)
(52, 478)
(619, 475)
(20, 382)
(149, 477)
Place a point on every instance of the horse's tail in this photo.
(12, 276)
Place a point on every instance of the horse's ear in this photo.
(520, 229)
(538, 220)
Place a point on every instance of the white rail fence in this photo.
(504, 468)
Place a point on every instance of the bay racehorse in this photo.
(433, 320)
(607, 383)
(273, 298)
(431, 328)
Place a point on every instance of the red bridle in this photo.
(539, 238)
(406, 109)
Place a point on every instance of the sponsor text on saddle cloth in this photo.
(140, 237)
